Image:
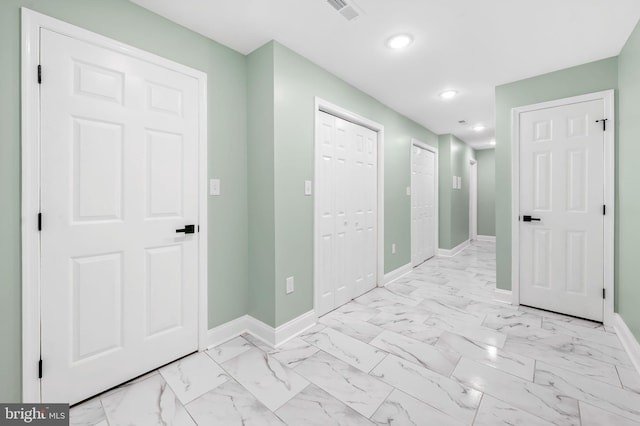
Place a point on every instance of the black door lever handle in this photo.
(527, 218)
(188, 229)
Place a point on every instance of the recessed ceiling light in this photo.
(448, 94)
(492, 143)
(400, 41)
(479, 127)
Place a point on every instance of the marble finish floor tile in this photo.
(512, 363)
(356, 328)
(594, 416)
(263, 376)
(89, 413)
(408, 324)
(493, 412)
(422, 351)
(472, 332)
(230, 349)
(402, 409)
(445, 310)
(515, 319)
(258, 343)
(441, 361)
(533, 398)
(588, 366)
(610, 398)
(356, 389)
(315, 407)
(381, 297)
(231, 404)
(148, 402)
(598, 335)
(442, 393)
(630, 378)
(293, 352)
(352, 351)
(353, 311)
(192, 376)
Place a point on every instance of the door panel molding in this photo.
(32, 23)
(323, 106)
(607, 97)
(434, 150)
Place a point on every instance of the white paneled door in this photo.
(561, 209)
(346, 211)
(119, 178)
(423, 196)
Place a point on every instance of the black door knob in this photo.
(527, 218)
(188, 229)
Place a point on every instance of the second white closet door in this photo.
(346, 206)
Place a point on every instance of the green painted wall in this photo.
(486, 191)
(583, 79)
(297, 82)
(260, 141)
(445, 188)
(628, 175)
(454, 157)
(226, 70)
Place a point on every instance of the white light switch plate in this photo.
(214, 187)
(408, 190)
(455, 182)
(307, 187)
(459, 182)
(290, 285)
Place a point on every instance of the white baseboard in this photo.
(629, 342)
(294, 327)
(227, 331)
(503, 296)
(272, 336)
(452, 252)
(395, 274)
(487, 238)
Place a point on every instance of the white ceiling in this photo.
(467, 45)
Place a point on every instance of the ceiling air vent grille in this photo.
(337, 4)
(347, 11)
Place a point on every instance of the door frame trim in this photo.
(322, 105)
(608, 96)
(473, 195)
(32, 23)
(436, 226)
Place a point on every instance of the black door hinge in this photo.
(39, 221)
(604, 209)
(39, 74)
(40, 369)
(604, 292)
(604, 123)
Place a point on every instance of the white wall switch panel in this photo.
(307, 187)
(393, 248)
(408, 190)
(455, 182)
(290, 285)
(214, 187)
(459, 182)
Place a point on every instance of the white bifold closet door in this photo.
(119, 177)
(346, 211)
(423, 190)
